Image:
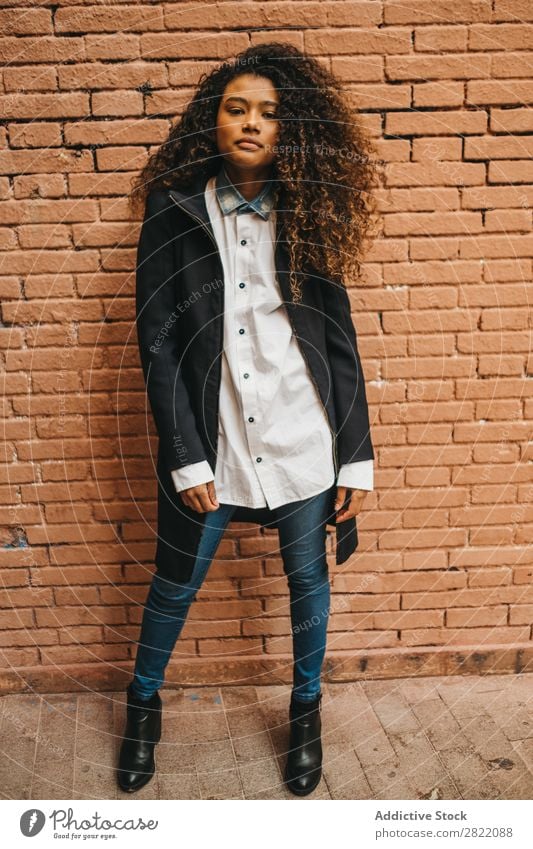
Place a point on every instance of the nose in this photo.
(250, 123)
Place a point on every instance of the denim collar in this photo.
(230, 198)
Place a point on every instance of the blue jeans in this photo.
(302, 537)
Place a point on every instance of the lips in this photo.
(248, 144)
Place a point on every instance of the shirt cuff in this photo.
(358, 475)
(192, 475)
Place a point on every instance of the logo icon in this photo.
(32, 822)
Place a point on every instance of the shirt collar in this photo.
(230, 198)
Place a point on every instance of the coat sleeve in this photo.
(157, 322)
(351, 407)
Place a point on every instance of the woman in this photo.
(256, 208)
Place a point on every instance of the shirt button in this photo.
(246, 374)
(243, 241)
(250, 418)
(258, 459)
(241, 285)
(241, 330)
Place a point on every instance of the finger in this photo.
(339, 498)
(212, 493)
(207, 504)
(203, 500)
(344, 515)
(357, 501)
(195, 503)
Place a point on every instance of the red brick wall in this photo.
(442, 578)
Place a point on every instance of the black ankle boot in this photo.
(143, 730)
(304, 762)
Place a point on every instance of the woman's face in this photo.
(248, 108)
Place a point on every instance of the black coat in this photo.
(180, 315)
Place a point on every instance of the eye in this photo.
(233, 110)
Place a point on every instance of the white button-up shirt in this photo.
(274, 439)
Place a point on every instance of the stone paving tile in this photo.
(508, 771)
(94, 765)
(454, 749)
(375, 753)
(438, 738)
(525, 750)
(513, 714)
(249, 733)
(53, 775)
(261, 779)
(221, 784)
(470, 774)
(343, 773)
(409, 737)
(179, 786)
(388, 781)
(423, 767)
(19, 724)
(440, 725)
(486, 765)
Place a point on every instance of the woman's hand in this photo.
(201, 498)
(355, 505)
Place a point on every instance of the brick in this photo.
(418, 200)
(465, 636)
(44, 105)
(235, 646)
(511, 65)
(441, 39)
(510, 92)
(100, 19)
(25, 21)
(471, 618)
(435, 174)
(506, 220)
(462, 598)
(494, 197)
(367, 69)
(430, 272)
(496, 247)
(378, 96)
(521, 614)
(443, 93)
(434, 148)
(514, 36)
(31, 78)
(114, 103)
(387, 41)
(512, 10)
(436, 123)
(466, 66)
(517, 147)
(516, 120)
(439, 223)
(511, 171)
(433, 11)
(119, 75)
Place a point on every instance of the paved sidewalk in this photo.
(427, 738)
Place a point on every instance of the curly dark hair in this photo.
(324, 177)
